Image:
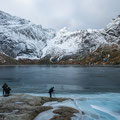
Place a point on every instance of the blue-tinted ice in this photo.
(100, 106)
(95, 106)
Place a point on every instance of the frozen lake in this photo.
(94, 90)
(65, 79)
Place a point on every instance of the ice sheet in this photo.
(95, 106)
(100, 106)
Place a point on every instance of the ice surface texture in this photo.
(95, 106)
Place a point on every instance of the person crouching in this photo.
(7, 91)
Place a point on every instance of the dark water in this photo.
(66, 79)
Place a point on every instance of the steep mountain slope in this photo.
(6, 60)
(70, 43)
(20, 38)
(82, 42)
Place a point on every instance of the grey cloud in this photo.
(74, 14)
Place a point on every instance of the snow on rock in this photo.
(69, 43)
(19, 38)
(47, 115)
(113, 28)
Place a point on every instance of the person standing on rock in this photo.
(4, 88)
(51, 90)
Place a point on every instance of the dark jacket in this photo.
(51, 90)
(4, 86)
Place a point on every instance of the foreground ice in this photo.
(95, 106)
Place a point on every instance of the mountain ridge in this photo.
(21, 39)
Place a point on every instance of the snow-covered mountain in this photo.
(82, 41)
(20, 38)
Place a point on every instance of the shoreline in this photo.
(60, 65)
(28, 107)
(63, 95)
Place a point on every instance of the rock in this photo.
(6, 60)
(64, 113)
(107, 55)
(23, 106)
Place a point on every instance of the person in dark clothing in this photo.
(4, 88)
(51, 90)
(7, 91)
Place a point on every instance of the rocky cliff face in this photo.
(83, 42)
(20, 38)
(6, 60)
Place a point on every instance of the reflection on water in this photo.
(67, 79)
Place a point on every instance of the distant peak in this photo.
(4, 13)
(64, 30)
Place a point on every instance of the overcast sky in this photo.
(74, 14)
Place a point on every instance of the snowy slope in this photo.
(20, 38)
(68, 43)
(82, 41)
